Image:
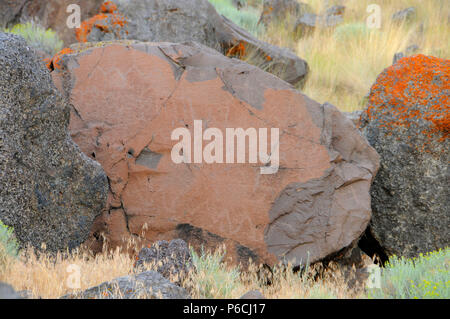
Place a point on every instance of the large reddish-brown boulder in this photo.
(127, 100)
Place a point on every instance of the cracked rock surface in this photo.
(127, 98)
(50, 192)
(198, 21)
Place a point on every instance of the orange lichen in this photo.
(54, 63)
(106, 20)
(411, 91)
(85, 29)
(108, 7)
(237, 50)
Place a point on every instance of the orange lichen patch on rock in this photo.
(412, 91)
(237, 50)
(107, 21)
(47, 62)
(108, 7)
(54, 63)
(83, 31)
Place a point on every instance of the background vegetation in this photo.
(46, 275)
(46, 42)
(346, 60)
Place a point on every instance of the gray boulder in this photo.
(9, 10)
(410, 50)
(50, 192)
(171, 259)
(308, 22)
(405, 15)
(253, 294)
(406, 121)
(336, 10)
(198, 21)
(8, 292)
(276, 11)
(146, 285)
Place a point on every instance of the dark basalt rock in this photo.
(407, 122)
(50, 192)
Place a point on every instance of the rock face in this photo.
(193, 20)
(9, 10)
(407, 122)
(146, 285)
(171, 259)
(49, 13)
(129, 98)
(354, 116)
(50, 192)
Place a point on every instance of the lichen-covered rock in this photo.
(50, 192)
(185, 21)
(407, 122)
(146, 285)
(171, 259)
(127, 100)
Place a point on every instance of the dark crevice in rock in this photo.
(372, 247)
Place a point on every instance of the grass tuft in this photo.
(37, 37)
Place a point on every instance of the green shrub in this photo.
(8, 244)
(246, 18)
(351, 31)
(426, 276)
(38, 38)
(213, 279)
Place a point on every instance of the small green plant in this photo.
(8, 244)
(423, 277)
(247, 17)
(351, 31)
(40, 39)
(213, 278)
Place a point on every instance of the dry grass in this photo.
(47, 276)
(346, 60)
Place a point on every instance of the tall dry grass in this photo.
(48, 276)
(346, 60)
